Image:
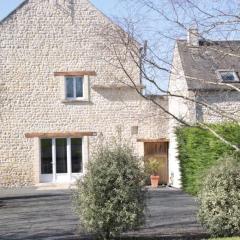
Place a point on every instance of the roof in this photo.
(201, 63)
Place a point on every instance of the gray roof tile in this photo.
(201, 63)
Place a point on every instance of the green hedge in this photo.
(199, 149)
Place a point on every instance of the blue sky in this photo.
(160, 33)
(110, 7)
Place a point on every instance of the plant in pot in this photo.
(153, 166)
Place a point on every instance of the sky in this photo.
(160, 33)
(7, 6)
(112, 8)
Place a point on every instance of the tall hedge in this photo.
(199, 150)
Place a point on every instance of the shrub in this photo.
(199, 150)
(109, 199)
(153, 166)
(219, 199)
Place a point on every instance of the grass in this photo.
(232, 238)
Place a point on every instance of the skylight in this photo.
(228, 76)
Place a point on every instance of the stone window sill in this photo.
(75, 101)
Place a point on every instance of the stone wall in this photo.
(224, 106)
(181, 109)
(41, 38)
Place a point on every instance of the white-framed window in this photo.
(74, 88)
(228, 76)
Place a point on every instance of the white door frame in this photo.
(54, 165)
(64, 177)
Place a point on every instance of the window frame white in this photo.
(236, 77)
(69, 175)
(74, 88)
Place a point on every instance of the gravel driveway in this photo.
(30, 214)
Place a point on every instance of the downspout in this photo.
(143, 53)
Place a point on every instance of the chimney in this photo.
(193, 37)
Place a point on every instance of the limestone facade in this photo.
(45, 37)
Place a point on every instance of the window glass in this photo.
(229, 76)
(61, 155)
(79, 87)
(74, 87)
(76, 149)
(46, 156)
(70, 87)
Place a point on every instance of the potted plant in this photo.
(153, 166)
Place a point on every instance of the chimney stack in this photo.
(193, 37)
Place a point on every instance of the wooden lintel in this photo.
(153, 140)
(75, 73)
(59, 134)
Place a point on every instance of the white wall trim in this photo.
(85, 153)
(37, 160)
(54, 159)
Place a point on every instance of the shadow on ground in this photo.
(190, 237)
(2, 204)
(171, 214)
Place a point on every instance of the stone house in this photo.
(60, 98)
(205, 74)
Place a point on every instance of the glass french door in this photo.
(61, 159)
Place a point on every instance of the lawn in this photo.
(233, 238)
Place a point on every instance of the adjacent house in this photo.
(60, 98)
(204, 84)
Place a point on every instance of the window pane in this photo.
(46, 156)
(76, 149)
(61, 155)
(69, 87)
(79, 87)
(228, 76)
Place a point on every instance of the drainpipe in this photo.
(143, 53)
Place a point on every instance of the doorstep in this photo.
(54, 186)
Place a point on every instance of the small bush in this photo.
(109, 199)
(219, 199)
(153, 166)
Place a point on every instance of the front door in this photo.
(61, 159)
(158, 151)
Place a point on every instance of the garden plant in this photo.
(109, 199)
(219, 199)
(199, 150)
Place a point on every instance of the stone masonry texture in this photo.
(43, 37)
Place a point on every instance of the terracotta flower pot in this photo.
(154, 181)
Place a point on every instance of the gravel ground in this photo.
(29, 214)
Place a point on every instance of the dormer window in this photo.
(228, 76)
